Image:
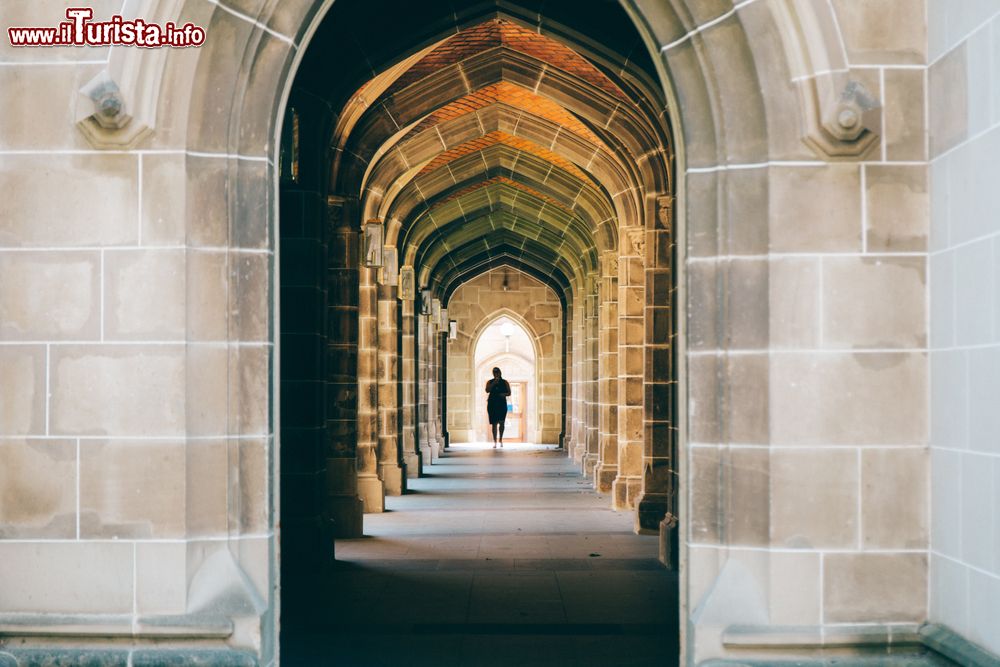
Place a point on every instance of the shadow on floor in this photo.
(497, 561)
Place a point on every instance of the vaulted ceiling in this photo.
(505, 138)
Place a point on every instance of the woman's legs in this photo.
(493, 427)
(501, 434)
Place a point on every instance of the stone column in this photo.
(657, 510)
(578, 438)
(408, 373)
(592, 406)
(343, 506)
(370, 487)
(607, 453)
(631, 339)
(568, 356)
(433, 412)
(424, 436)
(443, 391)
(390, 467)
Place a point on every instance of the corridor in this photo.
(496, 557)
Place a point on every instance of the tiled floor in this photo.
(495, 558)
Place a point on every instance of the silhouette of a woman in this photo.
(496, 404)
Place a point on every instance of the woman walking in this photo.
(496, 404)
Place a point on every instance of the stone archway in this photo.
(745, 86)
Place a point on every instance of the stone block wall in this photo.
(964, 103)
(806, 445)
(475, 305)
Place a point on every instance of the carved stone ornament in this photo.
(407, 283)
(637, 239)
(846, 119)
(664, 211)
(107, 121)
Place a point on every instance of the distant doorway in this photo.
(505, 344)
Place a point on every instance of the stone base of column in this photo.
(372, 493)
(588, 465)
(412, 464)
(343, 505)
(346, 514)
(393, 478)
(625, 492)
(427, 454)
(604, 476)
(670, 554)
(651, 510)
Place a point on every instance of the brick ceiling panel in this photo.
(502, 32)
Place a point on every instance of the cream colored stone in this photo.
(795, 584)
(96, 203)
(249, 404)
(848, 398)
(883, 31)
(905, 124)
(695, 102)
(745, 483)
(867, 588)
(736, 84)
(806, 486)
(32, 126)
(50, 295)
(132, 489)
(746, 399)
(161, 578)
(206, 200)
(894, 497)
(164, 199)
(66, 577)
(207, 399)
(145, 295)
(37, 489)
(874, 303)
(704, 466)
(207, 484)
(794, 303)
(120, 390)
(898, 208)
(703, 399)
(254, 478)
(22, 390)
(815, 209)
(947, 97)
(207, 298)
(250, 285)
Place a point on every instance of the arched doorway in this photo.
(506, 345)
(711, 62)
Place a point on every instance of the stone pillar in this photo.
(390, 467)
(607, 452)
(443, 390)
(424, 436)
(343, 506)
(433, 389)
(578, 437)
(370, 486)
(566, 436)
(657, 509)
(631, 362)
(592, 376)
(412, 461)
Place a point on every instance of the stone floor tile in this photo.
(505, 559)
